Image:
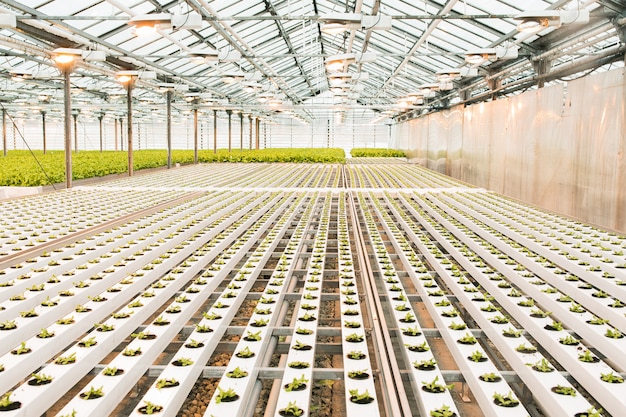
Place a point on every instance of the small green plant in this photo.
(569, 340)
(354, 338)
(41, 379)
(292, 410)
(499, 319)
(505, 400)
(92, 393)
(490, 377)
(411, 331)
(245, 353)
(426, 364)
(225, 395)
(298, 365)
(611, 378)
(356, 354)
(536, 312)
(477, 356)
(21, 350)
(132, 352)
(45, 334)
(111, 371)
(202, 328)
(450, 313)
(66, 360)
(296, 384)
(183, 362)
(523, 348)
(88, 342)
(555, 326)
(423, 347)
(443, 411)
(358, 374)
(576, 308)
(434, 386)
(260, 322)
(543, 366)
(563, 390)
(103, 327)
(587, 357)
(352, 324)
(526, 303)
(613, 334)
(5, 401)
(237, 373)
(8, 325)
(194, 344)
(166, 383)
(468, 339)
(253, 337)
(457, 326)
(360, 397)
(150, 408)
(301, 346)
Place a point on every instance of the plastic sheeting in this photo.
(561, 150)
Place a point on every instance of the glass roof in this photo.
(274, 51)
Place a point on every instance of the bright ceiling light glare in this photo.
(532, 26)
(334, 66)
(476, 58)
(66, 58)
(124, 79)
(145, 30)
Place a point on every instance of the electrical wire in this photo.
(19, 132)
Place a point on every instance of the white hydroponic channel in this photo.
(372, 288)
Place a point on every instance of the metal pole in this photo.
(241, 131)
(43, 130)
(68, 128)
(100, 117)
(214, 131)
(75, 132)
(169, 128)
(4, 132)
(121, 134)
(258, 125)
(116, 134)
(195, 135)
(250, 120)
(230, 129)
(129, 105)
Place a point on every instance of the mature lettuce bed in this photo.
(19, 168)
(374, 152)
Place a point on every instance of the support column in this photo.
(230, 130)
(168, 96)
(241, 131)
(129, 121)
(258, 125)
(43, 130)
(4, 132)
(195, 135)
(214, 131)
(542, 69)
(121, 135)
(100, 118)
(75, 115)
(67, 105)
(116, 134)
(250, 121)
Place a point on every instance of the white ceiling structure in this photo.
(264, 56)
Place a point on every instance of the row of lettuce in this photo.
(22, 168)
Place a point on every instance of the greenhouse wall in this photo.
(150, 133)
(559, 147)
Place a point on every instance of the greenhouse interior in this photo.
(313, 208)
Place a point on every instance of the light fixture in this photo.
(478, 56)
(337, 23)
(66, 57)
(336, 63)
(147, 24)
(535, 21)
(126, 78)
(203, 55)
